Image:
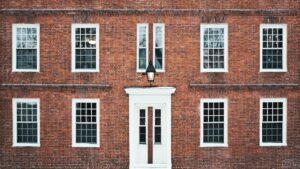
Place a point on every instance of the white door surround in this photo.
(149, 97)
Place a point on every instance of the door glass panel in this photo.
(142, 127)
(157, 127)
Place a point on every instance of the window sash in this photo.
(74, 49)
(75, 123)
(224, 122)
(162, 46)
(36, 47)
(15, 122)
(224, 48)
(142, 69)
(283, 122)
(283, 48)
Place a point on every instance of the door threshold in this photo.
(150, 166)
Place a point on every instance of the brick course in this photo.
(118, 69)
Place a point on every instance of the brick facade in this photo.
(117, 20)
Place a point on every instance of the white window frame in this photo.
(163, 46)
(80, 100)
(284, 47)
(137, 46)
(219, 25)
(14, 47)
(74, 26)
(14, 106)
(202, 101)
(284, 121)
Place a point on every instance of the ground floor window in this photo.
(213, 116)
(85, 122)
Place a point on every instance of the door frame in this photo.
(150, 96)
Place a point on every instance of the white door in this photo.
(150, 150)
(157, 149)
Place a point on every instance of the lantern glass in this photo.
(150, 76)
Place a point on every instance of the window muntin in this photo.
(273, 122)
(85, 123)
(142, 47)
(26, 122)
(85, 52)
(157, 126)
(213, 123)
(214, 48)
(159, 47)
(143, 127)
(26, 46)
(273, 47)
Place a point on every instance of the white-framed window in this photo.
(26, 122)
(214, 47)
(85, 122)
(85, 47)
(273, 122)
(26, 48)
(159, 46)
(213, 117)
(142, 47)
(273, 48)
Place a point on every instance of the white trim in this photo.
(80, 100)
(14, 114)
(284, 121)
(163, 46)
(226, 58)
(284, 47)
(224, 100)
(155, 97)
(73, 41)
(14, 47)
(137, 46)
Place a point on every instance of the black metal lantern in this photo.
(150, 71)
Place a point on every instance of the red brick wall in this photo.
(118, 68)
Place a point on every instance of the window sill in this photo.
(213, 71)
(272, 144)
(85, 145)
(85, 71)
(26, 71)
(26, 145)
(212, 145)
(272, 71)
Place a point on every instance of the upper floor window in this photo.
(85, 47)
(273, 48)
(85, 122)
(142, 47)
(159, 47)
(26, 122)
(26, 48)
(213, 116)
(214, 48)
(273, 122)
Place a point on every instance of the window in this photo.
(157, 126)
(159, 47)
(85, 48)
(85, 123)
(26, 122)
(213, 123)
(142, 47)
(273, 122)
(214, 48)
(26, 48)
(143, 127)
(273, 44)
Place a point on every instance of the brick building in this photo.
(73, 92)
